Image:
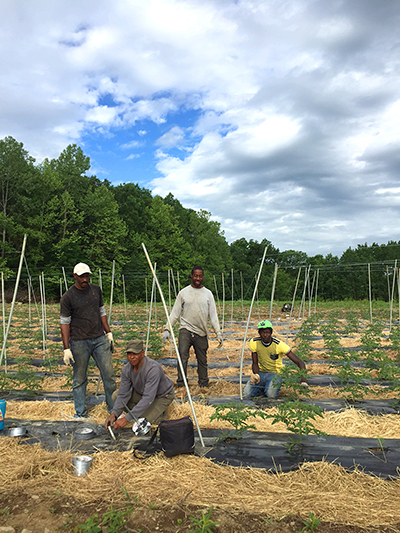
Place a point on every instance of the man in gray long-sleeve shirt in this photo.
(194, 305)
(144, 388)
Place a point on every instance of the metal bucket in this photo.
(17, 431)
(82, 464)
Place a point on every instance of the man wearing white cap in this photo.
(85, 332)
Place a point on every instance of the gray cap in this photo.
(135, 346)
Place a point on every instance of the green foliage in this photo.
(237, 414)
(311, 524)
(204, 524)
(291, 376)
(298, 416)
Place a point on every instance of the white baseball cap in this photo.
(82, 268)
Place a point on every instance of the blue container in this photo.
(3, 404)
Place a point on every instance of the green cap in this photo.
(264, 324)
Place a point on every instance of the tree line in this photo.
(71, 216)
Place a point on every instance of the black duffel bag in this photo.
(176, 437)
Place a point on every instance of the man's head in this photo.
(135, 353)
(197, 275)
(265, 330)
(82, 275)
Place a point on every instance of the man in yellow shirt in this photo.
(267, 354)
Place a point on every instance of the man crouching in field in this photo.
(267, 354)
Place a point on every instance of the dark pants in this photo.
(157, 411)
(200, 344)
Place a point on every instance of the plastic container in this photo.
(3, 405)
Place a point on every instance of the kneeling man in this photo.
(267, 353)
(144, 388)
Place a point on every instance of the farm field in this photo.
(349, 362)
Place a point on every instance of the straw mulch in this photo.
(322, 488)
(346, 423)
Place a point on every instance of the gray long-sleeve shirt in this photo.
(149, 381)
(194, 307)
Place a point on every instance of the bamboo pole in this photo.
(112, 292)
(175, 345)
(3, 306)
(147, 298)
(316, 291)
(232, 295)
(150, 312)
(248, 321)
(124, 291)
(223, 303)
(100, 281)
(273, 289)
(311, 295)
(293, 300)
(65, 278)
(370, 292)
(303, 297)
(29, 301)
(391, 299)
(3, 350)
(216, 293)
(241, 292)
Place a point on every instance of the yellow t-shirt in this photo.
(269, 357)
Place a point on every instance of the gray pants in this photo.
(157, 411)
(200, 344)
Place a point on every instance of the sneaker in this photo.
(80, 417)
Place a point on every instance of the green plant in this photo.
(204, 524)
(90, 526)
(298, 416)
(291, 376)
(311, 524)
(237, 414)
(5, 511)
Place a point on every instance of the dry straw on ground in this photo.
(346, 423)
(322, 488)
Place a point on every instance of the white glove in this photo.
(111, 340)
(255, 379)
(68, 357)
(220, 339)
(165, 336)
(304, 383)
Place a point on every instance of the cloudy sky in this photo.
(279, 117)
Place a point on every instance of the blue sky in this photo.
(279, 117)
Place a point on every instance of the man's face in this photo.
(266, 335)
(82, 281)
(197, 279)
(135, 359)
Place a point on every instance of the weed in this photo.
(5, 511)
(204, 524)
(311, 524)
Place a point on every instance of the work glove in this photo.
(255, 379)
(68, 357)
(220, 340)
(110, 338)
(165, 336)
(304, 384)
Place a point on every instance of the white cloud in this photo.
(285, 113)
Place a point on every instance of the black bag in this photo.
(177, 436)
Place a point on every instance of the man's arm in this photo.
(254, 367)
(299, 362)
(104, 321)
(65, 335)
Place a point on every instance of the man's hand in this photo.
(109, 420)
(120, 422)
(68, 357)
(165, 336)
(255, 379)
(111, 340)
(220, 340)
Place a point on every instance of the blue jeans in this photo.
(269, 386)
(99, 349)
